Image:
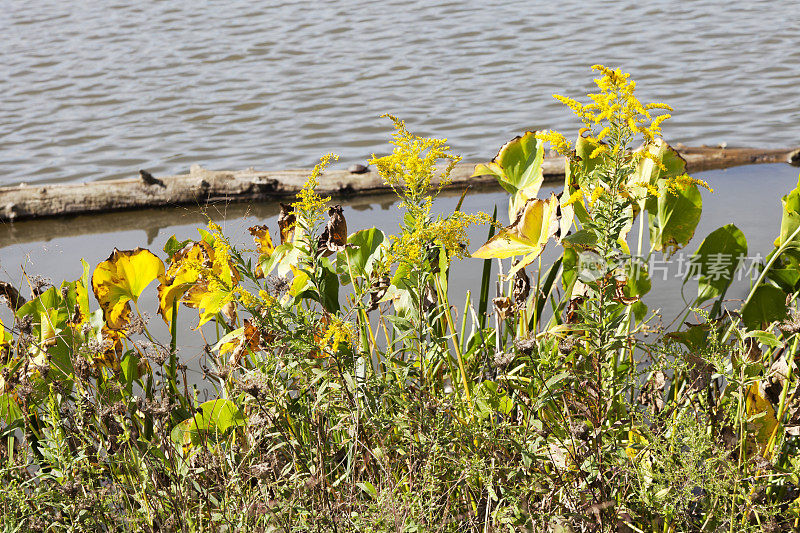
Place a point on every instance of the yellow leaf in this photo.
(183, 272)
(5, 336)
(536, 222)
(262, 239)
(756, 405)
(193, 277)
(207, 302)
(122, 278)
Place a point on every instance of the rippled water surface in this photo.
(96, 90)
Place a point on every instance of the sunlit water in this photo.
(96, 90)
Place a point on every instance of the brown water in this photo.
(96, 90)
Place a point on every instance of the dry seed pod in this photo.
(504, 307)
(522, 287)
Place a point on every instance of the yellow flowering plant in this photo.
(342, 382)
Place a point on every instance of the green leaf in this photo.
(790, 218)
(764, 337)
(367, 247)
(716, 260)
(490, 399)
(173, 246)
(214, 418)
(582, 239)
(369, 488)
(766, 305)
(329, 288)
(518, 165)
(673, 216)
(9, 410)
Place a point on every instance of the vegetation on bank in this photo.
(351, 394)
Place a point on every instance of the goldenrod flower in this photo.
(336, 333)
(680, 183)
(601, 149)
(557, 141)
(310, 205)
(574, 197)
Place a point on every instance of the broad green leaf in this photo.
(785, 270)
(214, 418)
(9, 410)
(122, 278)
(490, 399)
(767, 304)
(764, 337)
(673, 216)
(366, 247)
(329, 288)
(518, 164)
(518, 169)
(716, 260)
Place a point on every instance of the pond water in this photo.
(97, 90)
(746, 196)
(94, 91)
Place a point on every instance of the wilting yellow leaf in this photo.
(536, 222)
(249, 339)
(757, 404)
(262, 239)
(286, 222)
(207, 302)
(193, 277)
(184, 270)
(110, 353)
(264, 245)
(122, 278)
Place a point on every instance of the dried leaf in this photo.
(286, 222)
(11, 295)
(334, 237)
(522, 287)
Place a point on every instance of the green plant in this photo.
(349, 394)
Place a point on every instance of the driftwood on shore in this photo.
(202, 186)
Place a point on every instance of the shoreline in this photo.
(206, 187)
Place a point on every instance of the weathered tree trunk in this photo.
(203, 186)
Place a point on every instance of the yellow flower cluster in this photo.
(245, 297)
(557, 141)
(310, 205)
(574, 197)
(679, 183)
(412, 164)
(597, 193)
(411, 247)
(616, 105)
(336, 333)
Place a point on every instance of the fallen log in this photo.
(202, 186)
